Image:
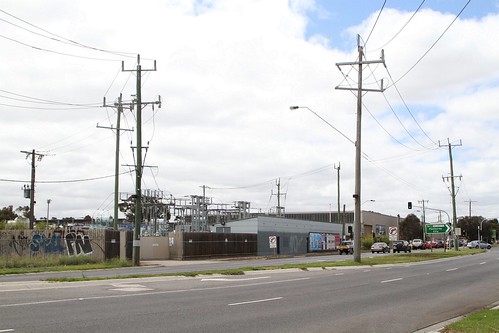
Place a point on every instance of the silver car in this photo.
(380, 247)
(476, 244)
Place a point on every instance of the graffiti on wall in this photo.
(78, 243)
(36, 243)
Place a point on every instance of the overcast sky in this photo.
(227, 72)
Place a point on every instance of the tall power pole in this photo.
(138, 166)
(423, 219)
(339, 209)
(34, 156)
(453, 192)
(119, 111)
(358, 150)
(279, 208)
(469, 202)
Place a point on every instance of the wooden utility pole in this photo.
(340, 220)
(453, 192)
(358, 150)
(279, 208)
(138, 166)
(34, 156)
(119, 110)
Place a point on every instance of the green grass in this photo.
(35, 265)
(484, 321)
(22, 265)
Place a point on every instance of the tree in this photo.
(23, 210)
(469, 226)
(410, 227)
(7, 214)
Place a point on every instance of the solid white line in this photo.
(8, 330)
(451, 269)
(482, 263)
(257, 301)
(392, 280)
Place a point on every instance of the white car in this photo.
(476, 244)
(418, 244)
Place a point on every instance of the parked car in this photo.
(380, 247)
(417, 244)
(476, 244)
(401, 245)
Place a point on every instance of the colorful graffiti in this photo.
(36, 243)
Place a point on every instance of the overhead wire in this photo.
(375, 22)
(403, 27)
(58, 39)
(407, 108)
(433, 45)
(59, 181)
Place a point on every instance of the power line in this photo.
(407, 108)
(431, 47)
(66, 40)
(375, 22)
(61, 181)
(403, 27)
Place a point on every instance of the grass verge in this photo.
(36, 265)
(484, 321)
(16, 265)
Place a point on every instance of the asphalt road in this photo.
(395, 298)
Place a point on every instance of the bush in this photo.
(366, 242)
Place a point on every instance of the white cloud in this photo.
(227, 74)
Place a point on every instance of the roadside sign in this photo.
(437, 228)
(393, 233)
(273, 242)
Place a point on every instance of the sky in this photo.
(227, 72)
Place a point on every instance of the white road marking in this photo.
(482, 263)
(339, 273)
(129, 287)
(451, 269)
(392, 280)
(150, 293)
(8, 330)
(256, 301)
(235, 279)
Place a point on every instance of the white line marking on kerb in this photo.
(451, 269)
(256, 301)
(392, 280)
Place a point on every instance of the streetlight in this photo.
(324, 120)
(358, 153)
(48, 211)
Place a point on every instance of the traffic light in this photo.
(349, 229)
(409, 205)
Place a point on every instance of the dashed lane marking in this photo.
(392, 280)
(256, 301)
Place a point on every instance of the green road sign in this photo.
(437, 228)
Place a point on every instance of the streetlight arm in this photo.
(324, 120)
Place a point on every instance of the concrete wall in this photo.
(154, 248)
(33, 243)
